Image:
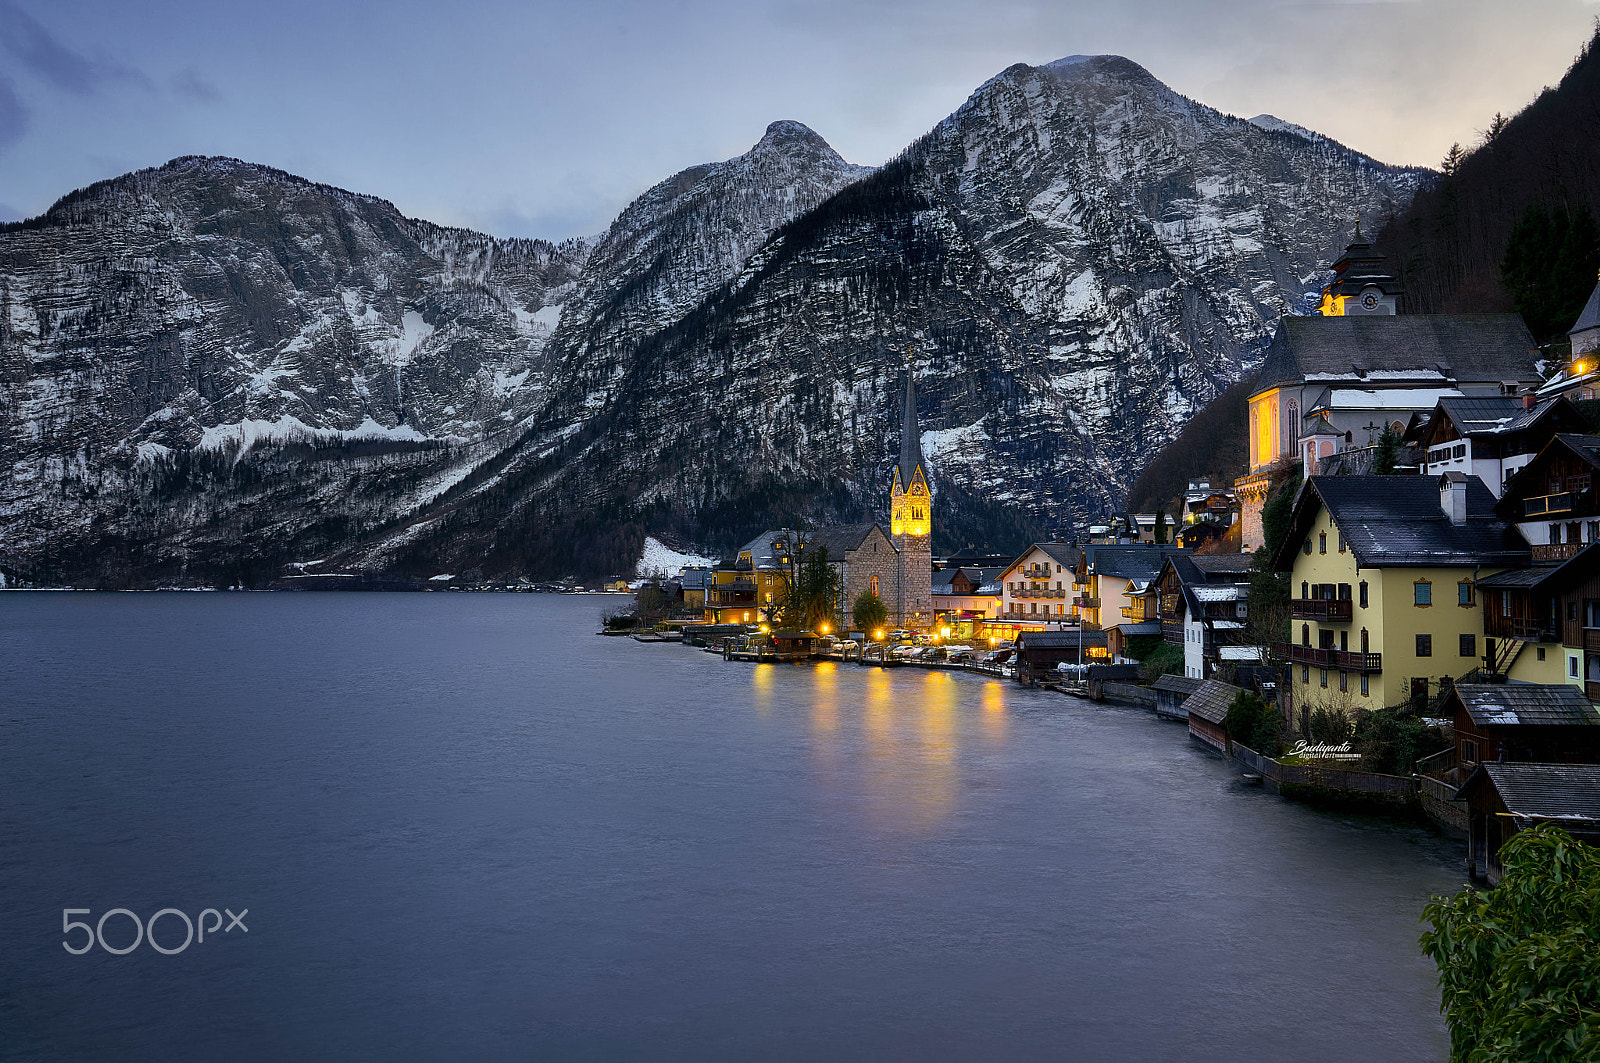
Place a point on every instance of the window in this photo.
(1424, 645)
(1305, 589)
(1324, 672)
(1422, 592)
(1322, 547)
(1469, 752)
(1364, 641)
(872, 584)
(1469, 645)
(1572, 667)
(1540, 651)
(1554, 540)
(1591, 612)
(1363, 594)
(1305, 548)
(1364, 690)
(1324, 639)
(1341, 541)
(1464, 592)
(1572, 611)
(1305, 634)
(1305, 671)
(1344, 682)
(1594, 531)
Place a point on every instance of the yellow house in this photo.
(1383, 595)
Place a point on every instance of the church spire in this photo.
(910, 500)
(910, 439)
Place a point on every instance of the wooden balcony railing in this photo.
(1086, 603)
(1332, 610)
(1328, 658)
(1540, 504)
(1592, 690)
(1556, 551)
(1528, 629)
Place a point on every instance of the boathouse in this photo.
(1172, 691)
(1208, 712)
(1522, 722)
(1503, 799)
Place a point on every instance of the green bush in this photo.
(1519, 966)
(1165, 659)
(1254, 723)
(1391, 741)
(1331, 726)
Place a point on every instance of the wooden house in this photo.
(1503, 799)
(1040, 651)
(1522, 722)
(1171, 692)
(1207, 709)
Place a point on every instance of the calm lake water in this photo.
(465, 828)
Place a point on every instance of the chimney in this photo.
(1529, 400)
(1453, 496)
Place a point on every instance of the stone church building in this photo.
(895, 564)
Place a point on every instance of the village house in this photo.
(1036, 587)
(1341, 377)
(1202, 603)
(1490, 438)
(964, 597)
(1383, 573)
(1111, 581)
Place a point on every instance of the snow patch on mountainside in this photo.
(659, 559)
(286, 429)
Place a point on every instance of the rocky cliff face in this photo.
(214, 368)
(1077, 258)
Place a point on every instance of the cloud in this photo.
(13, 115)
(33, 46)
(193, 85)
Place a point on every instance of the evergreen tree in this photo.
(1387, 457)
(869, 613)
(1550, 266)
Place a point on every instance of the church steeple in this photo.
(1361, 284)
(910, 502)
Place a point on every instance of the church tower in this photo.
(911, 521)
(1361, 285)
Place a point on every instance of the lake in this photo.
(465, 828)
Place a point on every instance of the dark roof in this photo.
(1473, 347)
(1064, 554)
(1397, 520)
(1178, 684)
(695, 578)
(1212, 700)
(1140, 562)
(1216, 564)
(1590, 316)
(1049, 640)
(1569, 573)
(762, 554)
(1542, 791)
(1516, 578)
(1526, 704)
(840, 538)
(1497, 415)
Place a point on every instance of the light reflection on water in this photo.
(468, 829)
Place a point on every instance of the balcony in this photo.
(1592, 690)
(1021, 591)
(1528, 629)
(1134, 612)
(1333, 611)
(1317, 657)
(1086, 603)
(1557, 551)
(731, 595)
(1542, 504)
(1591, 638)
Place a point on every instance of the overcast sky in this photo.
(545, 119)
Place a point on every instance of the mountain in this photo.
(212, 369)
(1079, 257)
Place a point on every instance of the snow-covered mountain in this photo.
(1079, 257)
(210, 369)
